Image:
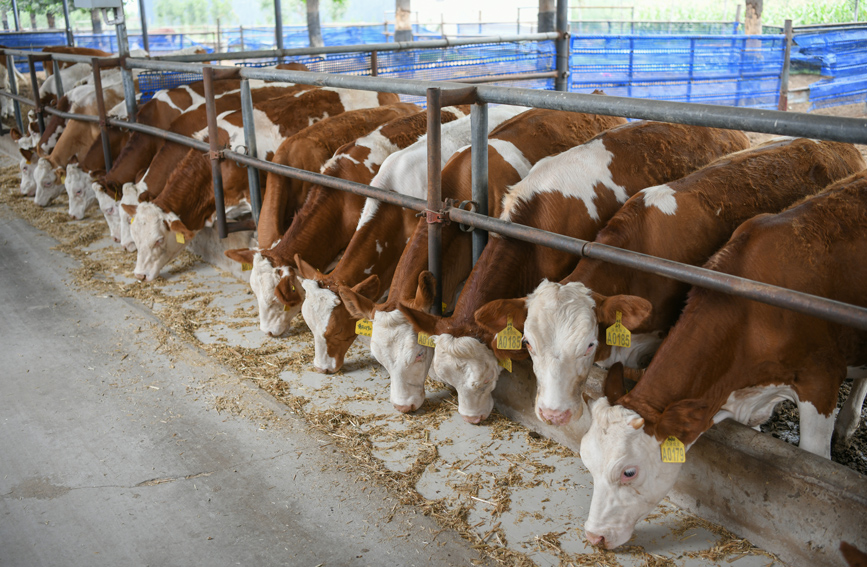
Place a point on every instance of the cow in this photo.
(27, 144)
(327, 221)
(513, 148)
(189, 205)
(685, 221)
(380, 237)
(79, 175)
(729, 357)
(309, 149)
(573, 194)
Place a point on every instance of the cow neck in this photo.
(188, 191)
(292, 114)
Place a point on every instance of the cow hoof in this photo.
(140, 277)
(322, 370)
(474, 419)
(405, 409)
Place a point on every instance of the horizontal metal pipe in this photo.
(821, 307)
(66, 57)
(71, 115)
(169, 136)
(19, 98)
(501, 78)
(362, 48)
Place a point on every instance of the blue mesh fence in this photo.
(729, 70)
(841, 56)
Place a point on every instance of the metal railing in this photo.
(436, 211)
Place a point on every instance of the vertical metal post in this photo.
(58, 80)
(250, 142)
(70, 39)
(691, 71)
(561, 83)
(479, 124)
(123, 53)
(100, 106)
(278, 23)
(144, 26)
(16, 15)
(374, 64)
(434, 195)
(219, 43)
(13, 86)
(631, 70)
(241, 30)
(784, 76)
(214, 154)
(35, 86)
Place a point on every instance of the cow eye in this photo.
(628, 474)
(526, 344)
(590, 348)
(78, 193)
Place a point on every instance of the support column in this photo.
(123, 52)
(402, 25)
(434, 195)
(784, 76)
(278, 23)
(561, 83)
(16, 15)
(215, 154)
(252, 151)
(144, 26)
(70, 38)
(479, 124)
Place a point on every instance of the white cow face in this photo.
(316, 309)
(78, 188)
(395, 345)
(472, 369)
(264, 279)
(561, 335)
(48, 183)
(629, 477)
(110, 210)
(131, 192)
(155, 239)
(28, 184)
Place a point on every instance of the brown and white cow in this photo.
(327, 221)
(309, 149)
(513, 148)
(685, 221)
(379, 240)
(189, 203)
(574, 194)
(79, 175)
(732, 358)
(27, 144)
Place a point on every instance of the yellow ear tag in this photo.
(444, 306)
(425, 340)
(618, 335)
(286, 307)
(63, 179)
(509, 338)
(505, 363)
(245, 267)
(179, 238)
(28, 162)
(672, 451)
(364, 327)
(131, 220)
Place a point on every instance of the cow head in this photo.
(264, 280)
(49, 182)
(131, 194)
(79, 189)
(28, 183)
(624, 457)
(109, 208)
(159, 237)
(394, 343)
(462, 361)
(332, 326)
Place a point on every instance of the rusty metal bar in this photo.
(374, 64)
(100, 106)
(214, 151)
(434, 195)
(784, 76)
(40, 119)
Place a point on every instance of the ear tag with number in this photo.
(424, 339)
(505, 363)
(509, 338)
(245, 267)
(364, 327)
(179, 238)
(444, 307)
(286, 307)
(131, 220)
(618, 335)
(63, 179)
(672, 451)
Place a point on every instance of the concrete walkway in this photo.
(111, 452)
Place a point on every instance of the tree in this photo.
(402, 25)
(193, 12)
(314, 31)
(547, 13)
(753, 17)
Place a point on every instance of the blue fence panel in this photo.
(839, 55)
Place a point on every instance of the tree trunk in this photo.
(51, 21)
(95, 21)
(314, 31)
(547, 16)
(753, 17)
(402, 25)
(33, 20)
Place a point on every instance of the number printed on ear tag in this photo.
(425, 339)
(179, 238)
(509, 338)
(505, 363)
(617, 334)
(245, 267)
(364, 327)
(672, 450)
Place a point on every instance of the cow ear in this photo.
(287, 292)
(179, 227)
(73, 159)
(614, 388)
(369, 288)
(16, 135)
(684, 419)
(421, 321)
(130, 209)
(425, 293)
(305, 270)
(241, 255)
(358, 306)
(27, 154)
(494, 315)
(635, 310)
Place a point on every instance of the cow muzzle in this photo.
(555, 417)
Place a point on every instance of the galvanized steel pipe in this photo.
(252, 151)
(479, 124)
(214, 147)
(434, 195)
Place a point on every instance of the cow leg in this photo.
(816, 430)
(850, 414)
